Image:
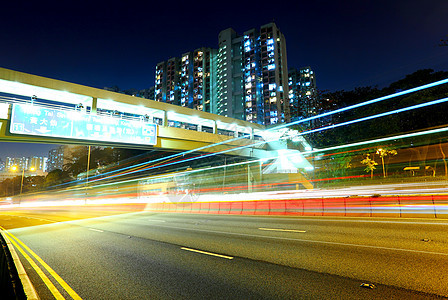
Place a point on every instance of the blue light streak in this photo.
(288, 125)
(426, 86)
(375, 116)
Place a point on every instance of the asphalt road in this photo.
(155, 256)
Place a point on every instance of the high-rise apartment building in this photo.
(19, 162)
(253, 75)
(303, 98)
(38, 163)
(229, 101)
(35, 163)
(189, 80)
(58, 157)
(246, 78)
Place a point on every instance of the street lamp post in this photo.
(21, 182)
(15, 168)
(32, 169)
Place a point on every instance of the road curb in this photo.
(28, 287)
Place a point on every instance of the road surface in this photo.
(143, 255)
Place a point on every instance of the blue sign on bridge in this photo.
(36, 120)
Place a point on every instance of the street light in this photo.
(21, 182)
(15, 168)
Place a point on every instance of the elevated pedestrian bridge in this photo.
(36, 109)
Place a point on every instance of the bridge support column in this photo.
(253, 177)
(165, 118)
(215, 127)
(94, 105)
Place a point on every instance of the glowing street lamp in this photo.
(15, 168)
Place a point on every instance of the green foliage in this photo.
(10, 186)
(99, 157)
(370, 164)
(417, 119)
(337, 165)
(383, 152)
(56, 177)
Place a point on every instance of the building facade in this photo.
(253, 75)
(188, 81)
(303, 96)
(37, 164)
(58, 157)
(229, 78)
(246, 78)
(18, 162)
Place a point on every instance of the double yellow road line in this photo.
(26, 252)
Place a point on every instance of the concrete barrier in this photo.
(415, 206)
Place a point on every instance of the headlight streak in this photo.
(170, 157)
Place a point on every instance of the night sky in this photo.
(103, 44)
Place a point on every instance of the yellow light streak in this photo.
(208, 253)
(279, 229)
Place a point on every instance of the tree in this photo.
(7, 187)
(56, 177)
(409, 121)
(33, 183)
(382, 152)
(443, 158)
(370, 165)
(99, 157)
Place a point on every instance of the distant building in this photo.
(258, 62)
(229, 100)
(188, 81)
(30, 166)
(58, 157)
(19, 162)
(246, 78)
(303, 96)
(38, 163)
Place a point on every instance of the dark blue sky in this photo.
(348, 43)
